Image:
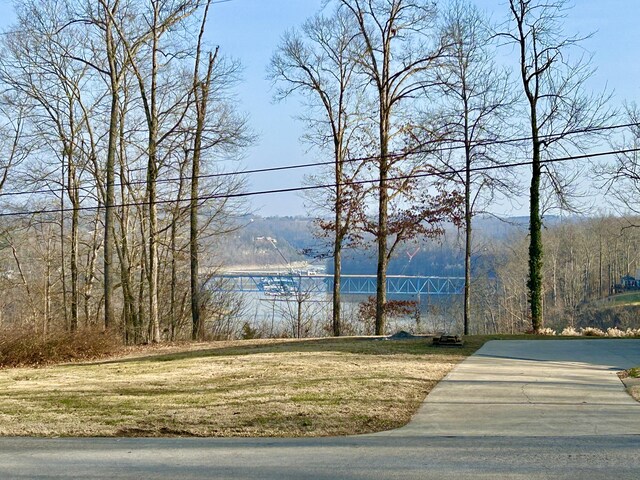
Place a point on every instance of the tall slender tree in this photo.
(557, 104)
(201, 89)
(477, 101)
(402, 48)
(318, 63)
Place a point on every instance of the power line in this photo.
(299, 166)
(205, 198)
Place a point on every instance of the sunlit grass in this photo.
(624, 299)
(254, 388)
(258, 388)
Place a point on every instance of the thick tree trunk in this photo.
(535, 246)
(383, 210)
(109, 212)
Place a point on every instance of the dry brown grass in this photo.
(633, 388)
(635, 392)
(255, 388)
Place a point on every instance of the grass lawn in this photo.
(252, 388)
(623, 299)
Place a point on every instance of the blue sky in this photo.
(250, 31)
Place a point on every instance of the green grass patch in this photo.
(623, 299)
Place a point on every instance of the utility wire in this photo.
(205, 198)
(479, 143)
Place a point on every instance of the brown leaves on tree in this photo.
(392, 308)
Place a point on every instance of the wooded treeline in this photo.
(115, 118)
(118, 121)
(427, 125)
(585, 260)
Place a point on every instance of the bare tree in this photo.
(476, 103)
(201, 88)
(106, 91)
(317, 62)
(554, 87)
(402, 48)
(39, 66)
(143, 52)
(114, 70)
(622, 178)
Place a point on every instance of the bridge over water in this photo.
(286, 284)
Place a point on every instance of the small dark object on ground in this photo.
(404, 335)
(401, 335)
(448, 341)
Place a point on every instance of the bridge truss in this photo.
(289, 284)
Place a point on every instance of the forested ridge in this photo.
(123, 193)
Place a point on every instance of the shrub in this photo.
(249, 333)
(547, 331)
(570, 332)
(617, 333)
(592, 332)
(18, 348)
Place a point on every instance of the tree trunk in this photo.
(299, 302)
(152, 177)
(535, 232)
(74, 258)
(337, 246)
(201, 92)
(383, 206)
(109, 211)
(468, 214)
(174, 280)
(337, 267)
(196, 327)
(467, 259)
(63, 254)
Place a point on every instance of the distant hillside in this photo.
(270, 240)
(621, 311)
(267, 241)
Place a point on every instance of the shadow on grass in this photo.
(347, 345)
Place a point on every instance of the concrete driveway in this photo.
(535, 388)
(515, 410)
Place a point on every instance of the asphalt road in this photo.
(515, 410)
